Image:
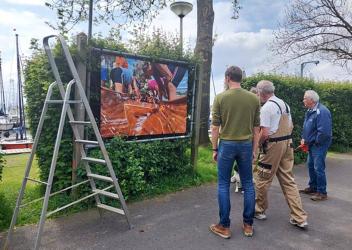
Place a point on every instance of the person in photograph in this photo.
(103, 72)
(317, 134)
(153, 88)
(121, 76)
(235, 121)
(168, 78)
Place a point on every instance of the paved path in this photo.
(181, 220)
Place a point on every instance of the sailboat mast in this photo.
(2, 94)
(20, 95)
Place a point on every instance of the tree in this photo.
(120, 12)
(319, 27)
(203, 50)
(71, 12)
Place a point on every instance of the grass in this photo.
(13, 174)
(206, 167)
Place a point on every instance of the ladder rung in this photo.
(100, 177)
(52, 194)
(37, 181)
(70, 204)
(112, 209)
(62, 101)
(94, 160)
(80, 122)
(106, 193)
(87, 142)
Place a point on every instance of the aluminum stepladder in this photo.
(66, 109)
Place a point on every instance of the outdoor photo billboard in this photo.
(139, 97)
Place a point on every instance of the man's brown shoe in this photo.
(307, 190)
(247, 230)
(223, 232)
(319, 197)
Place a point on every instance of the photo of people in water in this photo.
(142, 98)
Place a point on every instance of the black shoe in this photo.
(307, 190)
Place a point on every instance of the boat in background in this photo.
(16, 140)
(5, 122)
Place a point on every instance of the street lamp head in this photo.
(181, 8)
(316, 62)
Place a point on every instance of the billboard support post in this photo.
(78, 110)
(196, 118)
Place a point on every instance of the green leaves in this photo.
(336, 96)
(140, 166)
(2, 164)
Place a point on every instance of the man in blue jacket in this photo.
(317, 134)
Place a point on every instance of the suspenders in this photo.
(287, 110)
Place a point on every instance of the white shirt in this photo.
(270, 114)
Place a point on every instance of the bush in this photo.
(140, 164)
(2, 164)
(336, 96)
(5, 212)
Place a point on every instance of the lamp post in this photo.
(304, 64)
(181, 9)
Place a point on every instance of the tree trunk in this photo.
(205, 21)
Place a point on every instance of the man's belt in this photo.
(281, 138)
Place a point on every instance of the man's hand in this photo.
(254, 157)
(215, 156)
(302, 141)
(214, 141)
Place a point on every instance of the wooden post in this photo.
(196, 118)
(78, 111)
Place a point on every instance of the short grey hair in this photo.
(311, 94)
(265, 87)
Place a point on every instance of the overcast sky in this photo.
(243, 42)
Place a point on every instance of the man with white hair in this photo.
(276, 157)
(317, 134)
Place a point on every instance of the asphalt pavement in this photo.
(181, 221)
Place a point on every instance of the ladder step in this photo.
(106, 193)
(94, 160)
(62, 101)
(87, 142)
(100, 177)
(80, 122)
(112, 209)
(37, 181)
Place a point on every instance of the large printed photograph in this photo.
(142, 98)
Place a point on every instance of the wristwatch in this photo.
(215, 149)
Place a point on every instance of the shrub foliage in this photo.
(2, 164)
(336, 96)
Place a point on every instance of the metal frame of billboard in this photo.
(190, 103)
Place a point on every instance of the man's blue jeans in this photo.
(241, 152)
(316, 167)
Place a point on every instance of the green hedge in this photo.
(141, 165)
(336, 96)
(2, 163)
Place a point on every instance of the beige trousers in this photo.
(278, 161)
